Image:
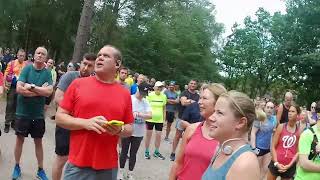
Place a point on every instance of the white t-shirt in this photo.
(142, 106)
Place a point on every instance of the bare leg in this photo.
(264, 161)
(58, 165)
(158, 139)
(271, 176)
(168, 130)
(148, 138)
(39, 151)
(18, 148)
(176, 140)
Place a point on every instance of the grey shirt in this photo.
(171, 95)
(67, 79)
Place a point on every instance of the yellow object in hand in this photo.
(115, 123)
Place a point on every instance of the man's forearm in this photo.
(43, 91)
(127, 131)
(68, 122)
(25, 92)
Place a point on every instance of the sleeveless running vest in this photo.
(287, 146)
(284, 116)
(197, 155)
(221, 172)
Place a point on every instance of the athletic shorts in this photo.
(35, 127)
(73, 172)
(262, 152)
(288, 174)
(150, 125)
(62, 141)
(170, 116)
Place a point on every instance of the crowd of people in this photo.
(223, 133)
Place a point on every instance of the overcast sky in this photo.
(231, 11)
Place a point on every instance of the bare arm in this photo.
(43, 91)
(279, 113)
(294, 159)
(65, 120)
(253, 136)
(246, 161)
(58, 96)
(21, 89)
(146, 115)
(184, 101)
(308, 165)
(178, 163)
(275, 140)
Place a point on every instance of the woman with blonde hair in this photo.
(261, 134)
(229, 125)
(197, 146)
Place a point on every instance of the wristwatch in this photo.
(121, 130)
(275, 164)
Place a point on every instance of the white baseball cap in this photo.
(158, 84)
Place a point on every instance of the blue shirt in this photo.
(134, 88)
(171, 95)
(192, 113)
(264, 133)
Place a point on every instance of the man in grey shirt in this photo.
(172, 101)
(62, 135)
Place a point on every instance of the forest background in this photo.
(267, 54)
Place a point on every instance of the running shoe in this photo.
(41, 175)
(158, 155)
(167, 140)
(16, 172)
(172, 156)
(130, 175)
(120, 174)
(147, 155)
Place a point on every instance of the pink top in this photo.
(197, 156)
(1, 79)
(287, 146)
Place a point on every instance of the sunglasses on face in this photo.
(313, 107)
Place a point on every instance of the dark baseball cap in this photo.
(172, 83)
(143, 89)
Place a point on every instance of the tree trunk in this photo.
(83, 32)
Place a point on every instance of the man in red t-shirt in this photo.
(87, 104)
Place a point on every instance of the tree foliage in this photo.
(165, 39)
(274, 53)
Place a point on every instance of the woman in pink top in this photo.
(197, 146)
(284, 147)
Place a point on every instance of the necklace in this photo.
(227, 149)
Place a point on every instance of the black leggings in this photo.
(135, 144)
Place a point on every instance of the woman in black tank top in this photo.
(284, 116)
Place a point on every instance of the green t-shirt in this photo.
(305, 141)
(32, 107)
(158, 104)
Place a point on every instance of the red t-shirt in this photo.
(87, 98)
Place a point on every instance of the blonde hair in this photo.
(242, 106)
(261, 115)
(215, 88)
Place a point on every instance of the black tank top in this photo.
(284, 116)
